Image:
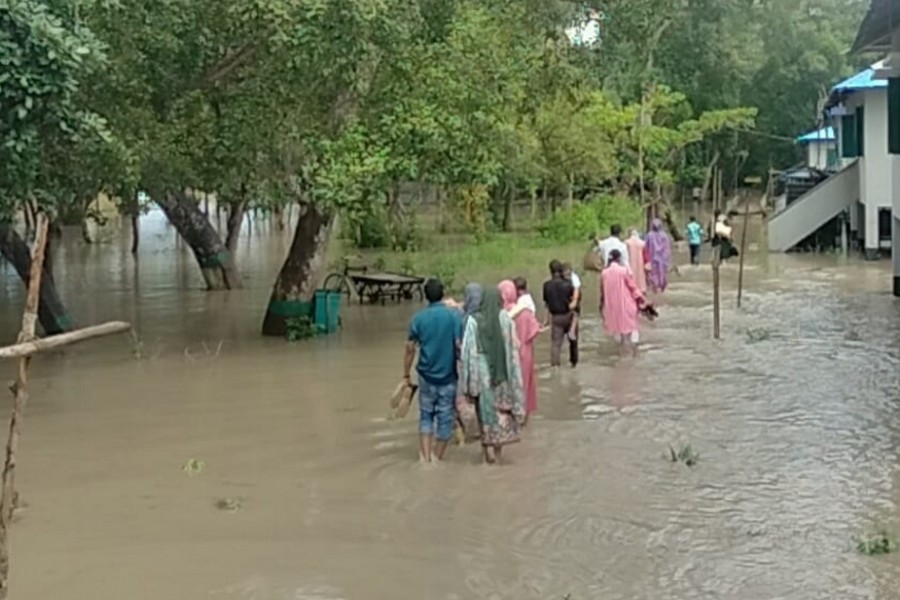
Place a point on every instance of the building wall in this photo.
(817, 154)
(877, 164)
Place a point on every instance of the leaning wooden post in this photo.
(20, 395)
(717, 304)
(743, 251)
(26, 346)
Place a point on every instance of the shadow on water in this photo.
(793, 414)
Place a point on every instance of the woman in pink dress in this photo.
(636, 258)
(621, 302)
(527, 329)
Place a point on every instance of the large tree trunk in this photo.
(52, 312)
(236, 212)
(216, 262)
(296, 283)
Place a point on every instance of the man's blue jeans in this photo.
(437, 409)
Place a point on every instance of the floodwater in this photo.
(794, 415)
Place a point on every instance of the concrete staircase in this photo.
(813, 209)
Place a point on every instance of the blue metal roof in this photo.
(822, 135)
(864, 80)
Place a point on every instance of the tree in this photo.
(44, 57)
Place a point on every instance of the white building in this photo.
(821, 148)
(859, 194)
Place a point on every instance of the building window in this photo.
(894, 116)
(860, 131)
(849, 148)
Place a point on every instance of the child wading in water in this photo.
(575, 305)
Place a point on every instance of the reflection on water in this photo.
(796, 430)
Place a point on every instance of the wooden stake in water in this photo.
(743, 251)
(717, 304)
(27, 345)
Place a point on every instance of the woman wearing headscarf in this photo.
(491, 375)
(621, 302)
(466, 411)
(636, 258)
(659, 247)
(527, 330)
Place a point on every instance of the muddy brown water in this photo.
(796, 422)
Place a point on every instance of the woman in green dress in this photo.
(491, 375)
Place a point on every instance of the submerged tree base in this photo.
(216, 262)
(52, 313)
(296, 284)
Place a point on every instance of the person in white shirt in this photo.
(575, 305)
(614, 242)
(525, 301)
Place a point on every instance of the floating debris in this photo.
(193, 467)
(229, 504)
(758, 335)
(685, 455)
(873, 544)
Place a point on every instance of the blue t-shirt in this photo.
(437, 330)
(694, 233)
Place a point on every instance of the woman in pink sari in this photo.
(636, 258)
(527, 329)
(660, 249)
(621, 302)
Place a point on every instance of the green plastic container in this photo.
(327, 311)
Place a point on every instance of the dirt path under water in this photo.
(796, 424)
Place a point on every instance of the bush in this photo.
(591, 218)
(375, 230)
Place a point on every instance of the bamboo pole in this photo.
(717, 304)
(64, 339)
(716, 256)
(26, 346)
(20, 396)
(743, 252)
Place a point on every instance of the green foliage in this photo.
(446, 272)
(45, 125)
(876, 543)
(586, 220)
(193, 467)
(685, 454)
(299, 328)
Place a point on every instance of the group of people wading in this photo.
(476, 365)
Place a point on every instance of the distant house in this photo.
(821, 148)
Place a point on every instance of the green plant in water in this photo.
(408, 266)
(876, 543)
(685, 455)
(446, 273)
(758, 335)
(193, 467)
(299, 328)
(229, 504)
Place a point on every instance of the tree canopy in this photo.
(336, 101)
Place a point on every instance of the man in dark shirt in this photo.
(558, 298)
(435, 332)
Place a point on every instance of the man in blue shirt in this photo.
(694, 239)
(435, 332)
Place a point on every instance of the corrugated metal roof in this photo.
(877, 26)
(822, 135)
(864, 80)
